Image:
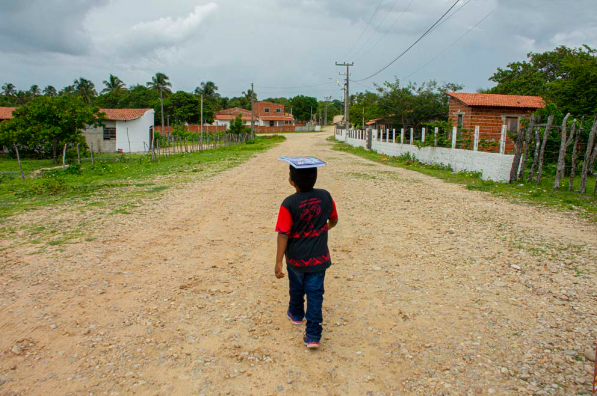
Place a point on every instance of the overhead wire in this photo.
(366, 27)
(378, 26)
(412, 45)
(450, 46)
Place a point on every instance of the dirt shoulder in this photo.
(434, 290)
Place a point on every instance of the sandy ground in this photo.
(435, 290)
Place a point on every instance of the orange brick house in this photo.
(490, 112)
(264, 113)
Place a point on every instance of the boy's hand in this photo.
(278, 271)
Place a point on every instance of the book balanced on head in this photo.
(303, 162)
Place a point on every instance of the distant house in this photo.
(264, 114)
(123, 130)
(491, 111)
(225, 117)
(338, 120)
(6, 113)
(272, 114)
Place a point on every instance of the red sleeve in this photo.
(284, 223)
(334, 215)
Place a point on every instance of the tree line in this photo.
(177, 107)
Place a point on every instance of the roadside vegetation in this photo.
(542, 194)
(116, 185)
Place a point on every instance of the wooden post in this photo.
(564, 143)
(92, 159)
(476, 141)
(64, 156)
(454, 135)
(19, 160)
(517, 156)
(543, 144)
(435, 132)
(152, 149)
(586, 162)
(78, 155)
(503, 136)
(535, 154)
(575, 155)
(423, 134)
(527, 142)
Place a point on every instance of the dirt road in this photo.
(434, 290)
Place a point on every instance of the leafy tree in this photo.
(564, 76)
(139, 97)
(210, 95)
(282, 101)
(22, 97)
(46, 123)
(365, 105)
(184, 107)
(302, 107)
(50, 91)
(68, 90)
(9, 89)
(85, 89)
(111, 100)
(238, 126)
(113, 84)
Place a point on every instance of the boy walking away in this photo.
(303, 223)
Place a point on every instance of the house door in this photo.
(272, 123)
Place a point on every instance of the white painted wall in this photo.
(138, 133)
(493, 166)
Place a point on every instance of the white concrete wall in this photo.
(493, 166)
(138, 133)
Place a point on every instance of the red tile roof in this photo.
(124, 114)
(277, 118)
(496, 100)
(6, 112)
(230, 114)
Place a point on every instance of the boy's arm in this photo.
(333, 220)
(282, 243)
(332, 223)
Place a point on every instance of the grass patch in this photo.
(542, 194)
(117, 185)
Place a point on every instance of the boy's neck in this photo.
(298, 190)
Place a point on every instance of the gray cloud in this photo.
(48, 26)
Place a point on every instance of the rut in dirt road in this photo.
(434, 290)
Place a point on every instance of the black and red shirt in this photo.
(304, 218)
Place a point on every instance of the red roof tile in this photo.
(6, 112)
(496, 100)
(277, 118)
(124, 114)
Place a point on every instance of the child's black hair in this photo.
(303, 178)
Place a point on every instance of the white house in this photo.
(225, 117)
(124, 130)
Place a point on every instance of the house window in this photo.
(512, 124)
(267, 110)
(460, 120)
(109, 133)
(278, 110)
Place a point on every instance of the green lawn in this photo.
(542, 194)
(121, 176)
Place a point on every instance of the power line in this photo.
(448, 47)
(387, 31)
(378, 26)
(301, 86)
(450, 16)
(366, 27)
(412, 45)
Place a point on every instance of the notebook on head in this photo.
(303, 162)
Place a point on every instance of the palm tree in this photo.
(9, 89)
(250, 95)
(209, 91)
(113, 84)
(50, 91)
(34, 91)
(68, 90)
(22, 97)
(160, 83)
(85, 89)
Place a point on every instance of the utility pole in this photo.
(168, 123)
(327, 99)
(202, 115)
(363, 124)
(252, 112)
(346, 91)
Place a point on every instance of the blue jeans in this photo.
(311, 284)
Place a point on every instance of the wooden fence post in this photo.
(78, 154)
(454, 135)
(527, 142)
(92, 159)
(517, 156)
(476, 141)
(64, 156)
(575, 155)
(543, 144)
(587, 161)
(535, 154)
(19, 160)
(565, 142)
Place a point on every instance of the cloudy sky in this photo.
(285, 47)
